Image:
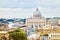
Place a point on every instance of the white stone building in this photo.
(36, 21)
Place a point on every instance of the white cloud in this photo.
(15, 12)
(25, 8)
(23, 13)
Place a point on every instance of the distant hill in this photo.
(12, 20)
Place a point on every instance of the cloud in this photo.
(25, 13)
(15, 12)
(48, 12)
(29, 3)
(25, 8)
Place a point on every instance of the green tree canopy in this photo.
(18, 34)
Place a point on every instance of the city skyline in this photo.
(26, 8)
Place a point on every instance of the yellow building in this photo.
(54, 36)
(4, 34)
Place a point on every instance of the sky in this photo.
(26, 8)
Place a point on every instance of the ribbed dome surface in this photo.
(37, 13)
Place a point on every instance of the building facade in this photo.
(54, 36)
(36, 21)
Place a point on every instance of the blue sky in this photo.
(26, 8)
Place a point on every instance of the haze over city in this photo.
(26, 8)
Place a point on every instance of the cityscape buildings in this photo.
(36, 27)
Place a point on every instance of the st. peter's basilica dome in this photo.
(37, 13)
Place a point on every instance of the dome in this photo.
(37, 13)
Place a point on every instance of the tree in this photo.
(18, 34)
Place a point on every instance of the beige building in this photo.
(54, 36)
(3, 26)
(36, 21)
